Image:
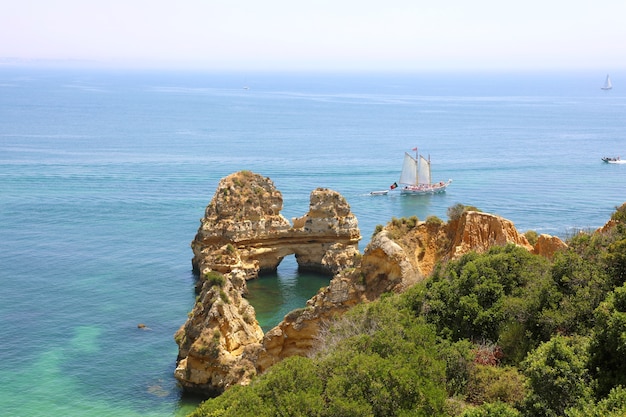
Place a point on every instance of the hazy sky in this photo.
(320, 34)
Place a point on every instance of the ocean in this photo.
(105, 174)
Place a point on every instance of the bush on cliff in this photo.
(456, 211)
(215, 278)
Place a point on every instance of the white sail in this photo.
(607, 83)
(423, 173)
(409, 170)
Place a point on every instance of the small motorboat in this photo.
(614, 160)
(382, 192)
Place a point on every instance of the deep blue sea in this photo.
(105, 174)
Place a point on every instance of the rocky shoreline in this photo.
(243, 234)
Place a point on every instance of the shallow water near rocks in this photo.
(274, 295)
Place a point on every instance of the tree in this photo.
(582, 285)
(469, 298)
(557, 376)
(608, 345)
(615, 259)
(614, 405)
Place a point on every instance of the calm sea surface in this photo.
(104, 176)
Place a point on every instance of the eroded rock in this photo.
(242, 234)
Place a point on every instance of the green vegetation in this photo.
(505, 333)
(399, 227)
(456, 211)
(557, 377)
(215, 278)
(531, 236)
(433, 221)
(224, 297)
(380, 365)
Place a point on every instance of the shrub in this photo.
(473, 297)
(433, 221)
(458, 358)
(396, 222)
(608, 345)
(456, 211)
(496, 409)
(615, 260)
(619, 214)
(488, 384)
(411, 222)
(215, 278)
(531, 237)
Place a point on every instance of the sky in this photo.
(325, 35)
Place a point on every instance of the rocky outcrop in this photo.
(242, 234)
(547, 246)
(215, 341)
(427, 243)
(477, 231)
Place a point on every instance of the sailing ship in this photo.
(416, 178)
(607, 83)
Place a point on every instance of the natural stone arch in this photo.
(243, 229)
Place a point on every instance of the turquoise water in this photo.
(105, 175)
(274, 295)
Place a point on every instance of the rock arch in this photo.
(243, 229)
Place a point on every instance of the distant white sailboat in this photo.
(607, 83)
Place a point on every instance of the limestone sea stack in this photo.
(242, 234)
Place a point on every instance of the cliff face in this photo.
(242, 233)
(478, 232)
